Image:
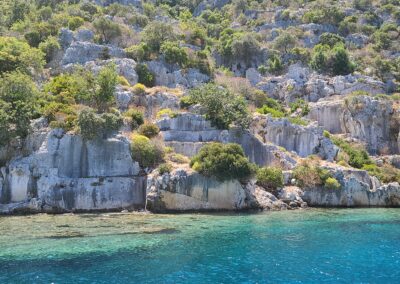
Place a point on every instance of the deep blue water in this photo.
(311, 246)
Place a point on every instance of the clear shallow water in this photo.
(332, 246)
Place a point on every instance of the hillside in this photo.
(117, 104)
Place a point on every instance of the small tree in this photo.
(107, 81)
(156, 33)
(173, 53)
(145, 76)
(221, 106)
(284, 42)
(107, 29)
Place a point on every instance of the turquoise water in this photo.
(331, 246)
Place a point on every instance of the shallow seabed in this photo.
(304, 246)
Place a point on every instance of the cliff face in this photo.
(67, 173)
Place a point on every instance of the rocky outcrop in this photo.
(184, 190)
(187, 133)
(373, 121)
(82, 52)
(301, 82)
(304, 140)
(68, 173)
(125, 67)
(171, 76)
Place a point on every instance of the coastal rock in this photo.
(304, 140)
(185, 191)
(68, 173)
(125, 67)
(187, 133)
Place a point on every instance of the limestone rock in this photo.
(82, 52)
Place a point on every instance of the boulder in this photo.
(125, 68)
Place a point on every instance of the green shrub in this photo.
(221, 106)
(164, 168)
(166, 112)
(268, 110)
(270, 178)
(301, 105)
(223, 161)
(75, 22)
(136, 117)
(16, 54)
(92, 125)
(309, 175)
(156, 33)
(146, 152)
(357, 157)
(186, 101)
(332, 183)
(332, 60)
(149, 130)
(50, 47)
(145, 76)
(275, 65)
(140, 52)
(330, 39)
(173, 53)
(107, 29)
(298, 121)
(107, 81)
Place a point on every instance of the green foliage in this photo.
(149, 130)
(324, 15)
(284, 42)
(275, 65)
(357, 157)
(145, 76)
(146, 152)
(18, 55)
(332, 183)
(94, 126)
(330, 39)
(269, 110)
(221, 106)
(18, 104)
(107, 29)
(270, 178)
(164, 168)
(332, 60)
(173, 53)
(107, 82)
(75, 22)
(136, 117)
(223, 161)
(156, 33)
(50, 47)
(166, 112)
(298, 120)
(300, 105)
(310, 175)
(140, 52)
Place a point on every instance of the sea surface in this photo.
(303, 246)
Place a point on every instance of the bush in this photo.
(149, 130)
(186, 102)
(146, 152)
(310, 175)
(332, 60)
(275, 65)
(107, 29)
(50, 47)
(140, 52)
(164, 168)
(330, 39)
(16, 54)
(166, 112)
(223, 161)
(139, 89)
(107, 81)
(301, 105)
(136, 117)
(332, 183)
(92, 125)
(145, 76)
(156, 33)
(268, 110)
(173, 53)
(357, 157)
(270, 178)
(284, 42)
(75, 22)
(221, 106)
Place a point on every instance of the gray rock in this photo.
(82, 52)
(125, 67)
(84, 35)
(65, 38)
